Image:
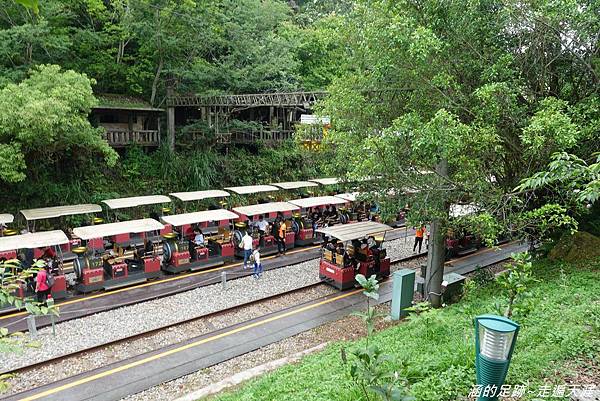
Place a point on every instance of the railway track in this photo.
(74, 387)
(153, 331)
(163, 287)
(176, 324)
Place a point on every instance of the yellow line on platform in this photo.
(183, 348)
(178, 277)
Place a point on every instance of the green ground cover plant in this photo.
(434, 350)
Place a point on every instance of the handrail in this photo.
(124, 137)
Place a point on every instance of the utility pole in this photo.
(436, 255)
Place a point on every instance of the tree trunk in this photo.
(155, 81)
(436, 254)
(170, 119)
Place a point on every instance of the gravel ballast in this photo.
(126, 321)
(347, 328)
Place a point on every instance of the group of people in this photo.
(43, 281)
(330, 214)
(362, 250)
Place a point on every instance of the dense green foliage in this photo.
(50, 155)
(44, 122)
(435, 350)
(141, 46)
(467, 83)
(142, 173)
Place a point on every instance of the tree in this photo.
(441, 105)
(45, 121)
(570, 179)
(253, 50)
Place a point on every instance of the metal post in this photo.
(402, 292)
(224, 279)
(31, 326)
(50, 304)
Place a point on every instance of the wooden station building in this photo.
(127, 120)
(221, 119)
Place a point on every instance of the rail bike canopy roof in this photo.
(352, 231)
(123, 203)
(58, 211)
(326, 181)
(264, 208)
(199, 195)
(39, 239)
(348, 196)
(199, 217)
(6, 218)
(317, 201)
(295, 184)
(123, 227)
(250, 189)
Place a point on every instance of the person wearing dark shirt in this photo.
(315, 217)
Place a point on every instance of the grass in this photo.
(435, 351)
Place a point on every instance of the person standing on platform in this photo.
(42, 289)
(246, 244)
(257, 264)
(281, 237)
(419, 234)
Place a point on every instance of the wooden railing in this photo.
(121, 138)
(249, 100)
(266, 136)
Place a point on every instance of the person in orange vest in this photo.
(419, 234)
(281, 237)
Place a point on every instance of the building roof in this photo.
(349, 232)
(107, 101)
(348, 196)
(6, 218)
(264, 208)
(58, 211)
(178, 220)
(458, 210)
(122, 203)
(199, 195)
(317, 201)
(326, 181)
(250, 189)
(123, 227)
(33, 240)
(295, 184)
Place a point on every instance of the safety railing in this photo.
(121, 138)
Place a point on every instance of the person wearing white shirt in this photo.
(246, 244)
(257, 264)
(199, 238)
(262, 226)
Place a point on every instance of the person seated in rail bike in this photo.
(329, 216)
(316, 219)
(262, 226)
(333, 214)
(196, 242)
(331, 245)
(376, 252)
(108, 258)
(361, 211)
